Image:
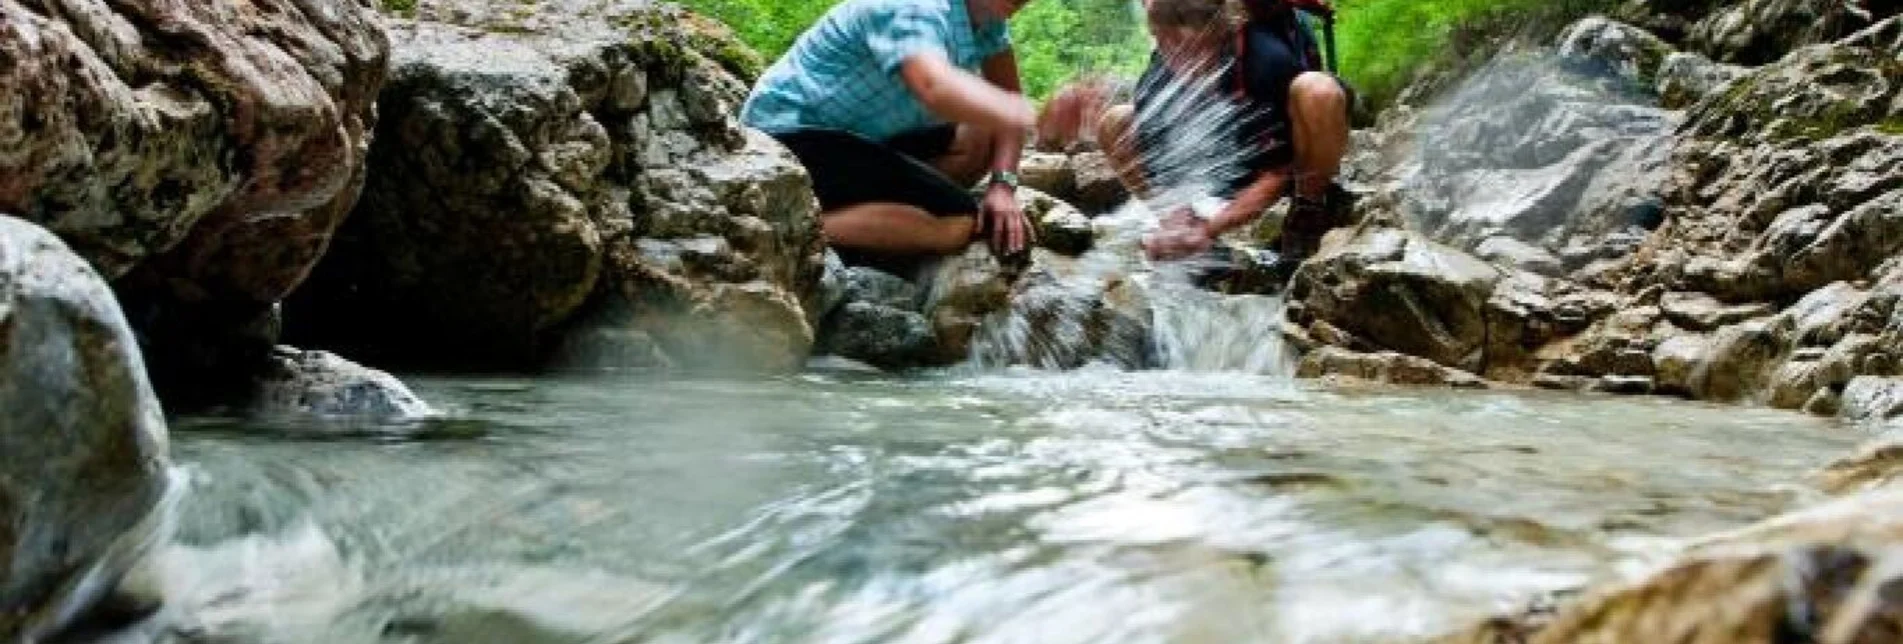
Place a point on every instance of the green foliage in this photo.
(1385, 44)
(1055, 40)
(404, 8)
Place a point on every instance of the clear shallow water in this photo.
(1096, 506)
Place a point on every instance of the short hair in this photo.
(1190, 13)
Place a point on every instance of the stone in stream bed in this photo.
(83, 447)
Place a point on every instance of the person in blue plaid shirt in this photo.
(897, 108)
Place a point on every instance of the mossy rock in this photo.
(1814, 94)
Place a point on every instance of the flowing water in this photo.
(1003, 506)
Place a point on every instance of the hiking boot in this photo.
(1311, 218)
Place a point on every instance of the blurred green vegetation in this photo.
(1383, 44)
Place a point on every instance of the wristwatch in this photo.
(1005, 177)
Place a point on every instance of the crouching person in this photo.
(897, 109)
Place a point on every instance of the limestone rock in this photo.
(83, 464)
(1755, 32)
(1507, 251)
(1868, 399)
(1543, 153)
(1060, 226)
(1098, 189)
(1702, 312)
(962, 290)
(1687, 78)
(1384, 367)
(1403, 293)
(321, 384)
(1050, 174)
(233, 135)
(528, 176)
(1064, 313)
(1610, 47)
(1740, 361)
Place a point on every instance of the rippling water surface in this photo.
(1095, 506)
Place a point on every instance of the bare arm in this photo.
(1249, 203)
(959, 96)
(1001, 69)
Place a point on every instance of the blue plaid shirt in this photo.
(843, 73)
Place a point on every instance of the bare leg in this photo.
(895, 229)
(1116, 135)
(1318, 110)
(969, 157)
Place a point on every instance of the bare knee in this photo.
(1315, 92)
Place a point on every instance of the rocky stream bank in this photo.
(1703, 202)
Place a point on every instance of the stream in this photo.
(995, 505)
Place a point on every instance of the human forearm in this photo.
(1001, 70)
(959, 96)
(1249, 203)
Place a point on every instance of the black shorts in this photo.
(848, 169)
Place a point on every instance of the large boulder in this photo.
(1566, 158)
(83, 465)
(200, 154)
(544, 169)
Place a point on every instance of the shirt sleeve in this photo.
(908, 30)
(993, 38)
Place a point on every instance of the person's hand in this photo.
(1002, 217)
(1181, 235)
(1020, 115)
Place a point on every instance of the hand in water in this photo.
(1182, 234)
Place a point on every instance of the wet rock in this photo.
(1060, 227)
(1869, 399)
(1702, 312)
(321, 384)
(1628, 385)
(961, 291)
(1240, 269)
(525, 175)
(1756, 32)
(1686, 78)
(1098, 189)
(1384, 367)
(879, 335)
(1613, 48)
(83, 464)
(873, 286)
(1050, 174)
(1402, 292)
(1067, 314)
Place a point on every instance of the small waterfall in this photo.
(1112, 306)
